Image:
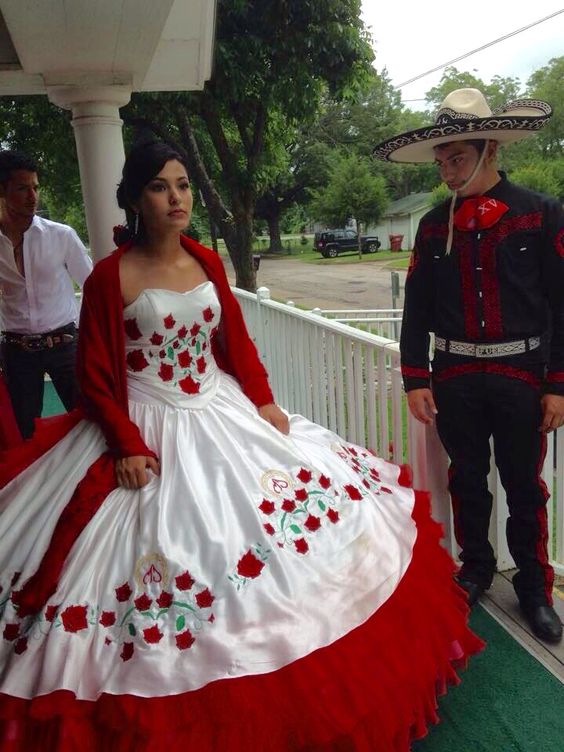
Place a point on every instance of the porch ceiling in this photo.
(141, 44)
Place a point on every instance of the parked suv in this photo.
(332, 242)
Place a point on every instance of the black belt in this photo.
(43, 341)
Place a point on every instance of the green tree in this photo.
(547, 83)
(538, 177)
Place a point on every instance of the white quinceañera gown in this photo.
(265, 592)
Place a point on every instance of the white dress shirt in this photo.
(43, 300)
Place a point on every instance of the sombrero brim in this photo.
(418, 145)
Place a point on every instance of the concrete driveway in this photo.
(356, 285)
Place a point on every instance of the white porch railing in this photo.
(384, 322)
(349, 381)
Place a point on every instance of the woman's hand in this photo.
(131, 472)
(275, 416)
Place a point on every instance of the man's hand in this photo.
(552, 412)
(422, 405)
(275, 416)
(131, 472)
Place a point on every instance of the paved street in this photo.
(364, 285)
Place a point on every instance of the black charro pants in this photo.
(24, 373)
(472, 408)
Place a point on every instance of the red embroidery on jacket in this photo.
(493, 328)
(464, 245)
(417, 373)
(559, 243)
(481, 367)
(553, 377)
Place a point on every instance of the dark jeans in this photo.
(24, 373)
(471, 409)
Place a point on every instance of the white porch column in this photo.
(99, 145)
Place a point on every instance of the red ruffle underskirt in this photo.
(374, 690)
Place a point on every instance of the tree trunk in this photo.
(359, 233)
(274, 232)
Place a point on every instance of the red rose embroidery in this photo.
(333, 515)
(365, 483)
(201, 364)
(353, 451)
(142, 602)
(384, 489)
(131, 329)
(11, 631)
(374, 474)
(301, 545)
(269, 529)
(164, 600)
(184, 359)
(211, 618)
(195, 329)
(162, 354)
(107, 618)
(312, 523)
(324, 482)
(188, 385)
(136, 360)
(184, 581)
(127, 651)
(152, 634)
(107, 641)
(176, 344)
(50, 612)
(304, 475)
(20, 646)
(123, 592)
(165, 372)
(288, 505)
(182, 332)
(157, 339)
(74, 618)
(301, 494)
(204, 599)
(207, 314)
(184, 640)
(169, 321)
(266, 507)
(249, 566)
(353, 492)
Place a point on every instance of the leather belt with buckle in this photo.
(490, 350)
(45, 341)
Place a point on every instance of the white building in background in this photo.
(402, 218)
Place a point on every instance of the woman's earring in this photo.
(136, 225)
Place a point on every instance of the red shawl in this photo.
(103, 384)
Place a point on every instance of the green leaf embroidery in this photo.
(180, 622)
(295, 529)
(131, 629)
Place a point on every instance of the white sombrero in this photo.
(465, 115)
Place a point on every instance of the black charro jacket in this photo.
(498, 284)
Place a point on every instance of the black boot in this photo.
(473, 590)
(544, 621)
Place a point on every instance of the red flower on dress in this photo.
(195, 329)
(131, 329)
(11, 631)
(301, 494)
(20, 646)
(164, 600)
(184, 581)
(301, 545)
(384, 489)
(249, 566)
(269, 529)
(207, 314)
(182, 332)
(324, 482)
(165, 372)
(74, 618)
(304, 475)
(353, 492)
(288, 505)
(136, 360)
(107, 618)
(266, 507)
(188, 385)
(127, 651)
(184, 640)
(204, 598)
(176, 344)
(123, 592)
(333, 515)
(162, 354)
(201, 364)
(157, 339)
(152, 634)
(353, 451)
(184, 359)
(374, 474)
(143, 602)
(365, 483)
(169, 321)
(50, 612)
(312, 523)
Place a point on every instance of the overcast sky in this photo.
(412, 37)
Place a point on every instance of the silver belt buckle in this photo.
(487, 351)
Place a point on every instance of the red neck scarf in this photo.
(479, 213)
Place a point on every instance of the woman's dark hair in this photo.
(142, 164)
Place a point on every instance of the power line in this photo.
(479, 49)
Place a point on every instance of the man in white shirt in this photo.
(39, 260)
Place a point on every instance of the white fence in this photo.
(349, 381)
(385, 322)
